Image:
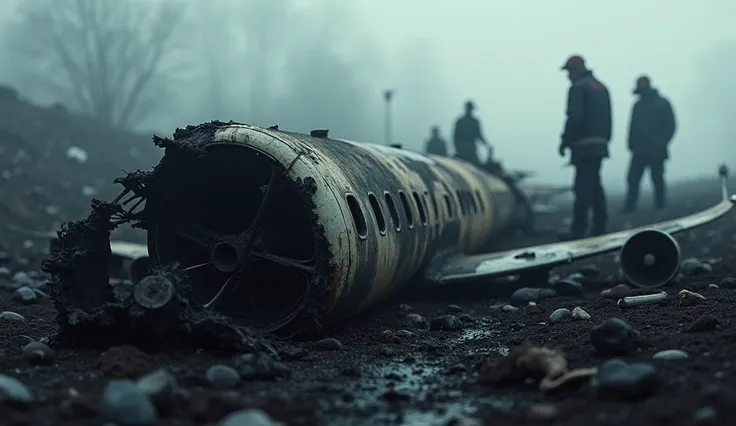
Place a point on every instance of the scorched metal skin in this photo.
(301, 231)
(379, 214)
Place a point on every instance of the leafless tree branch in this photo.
(107, 55)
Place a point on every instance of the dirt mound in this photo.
(53, 162)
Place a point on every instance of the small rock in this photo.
(617, 292)
(405, 309)
(560, 314)
(404, 334)
(525, 295)
(713, 286)
(249, 417)
(25, 295)
(729, 283)
(579, 313)
(670, 355)
(705, 322)
(568, 287)
(705, 416)
(160, 386)
(509, 308)
(22, 279)
(328, 344)
(454, 309)
(14, 392)
(691, 267)
(11, 316)
(542, 411)
(37, 353)
(122, 402)
(618, 380)
(446, 322)
(416, 321)
(221, 376)
(5, 272)
(260, 366)
(466, 318)
(613, 336)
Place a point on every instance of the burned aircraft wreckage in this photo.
(283, 232)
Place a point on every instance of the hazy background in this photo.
(154, 65)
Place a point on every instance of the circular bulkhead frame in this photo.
(244, 232)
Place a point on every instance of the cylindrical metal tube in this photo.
(646, 299)
(350, 222)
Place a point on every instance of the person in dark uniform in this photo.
(651, 129)
(435, 144)
(467, 133)
(586, 135)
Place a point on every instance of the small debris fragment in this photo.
(222, 376)
(689, 298)
(11, 316)
(525, 295)
(25, 296)
(416, 321)
(454, 309)
(124, 403)
(160, 386)
(646, 299)
(509, 308)
(153, 291)
(729, 283)
(13, 392)
(568, 287)
(617, 292)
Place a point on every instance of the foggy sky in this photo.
(278, 66)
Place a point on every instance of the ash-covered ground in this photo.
(464, 360)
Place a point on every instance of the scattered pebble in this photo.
(416, 321)
(729, 283)
(261, 366)
(160, 386)
(691, 267)
(525, 295)
(705, 416)
(509, 308)
(613, 336)
(122, 402)
(25, 296)
(713, 286)
(670, 355)
(13, 392)
(619, 291)
(250, 417)
(328, 344)
(446, 322)
(11, 316)
(560, 314)
(568, 287)
(579, 313)
(222, 376)
(37, 353)
(454, 309)
(705, 322)
(618, 380)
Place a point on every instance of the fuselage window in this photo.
(361, 226)
(407, 209)
(380, 220)
(420, 207)
(463, 207)
(480, 201)
(395, 218)
(448, 204)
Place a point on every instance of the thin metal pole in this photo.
(388, 95)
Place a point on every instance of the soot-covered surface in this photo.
(416, 376)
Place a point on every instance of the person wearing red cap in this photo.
(651, 129)
(586, 135)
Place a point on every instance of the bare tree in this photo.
(107, 57)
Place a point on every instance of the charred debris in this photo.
(161, 310)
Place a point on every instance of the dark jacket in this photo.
(652, 126)
(467, 131)
(436, 146)
(588, 126)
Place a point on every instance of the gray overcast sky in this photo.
(505, 55)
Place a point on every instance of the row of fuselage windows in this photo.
(470, 203)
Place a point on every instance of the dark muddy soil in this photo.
(424, 377)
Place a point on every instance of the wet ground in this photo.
(389, 369)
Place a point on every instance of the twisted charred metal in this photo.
(285, 232)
